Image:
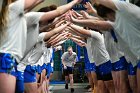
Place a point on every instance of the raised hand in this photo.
(90, 8)
(78, 1)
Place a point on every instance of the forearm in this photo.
(81, 30)
(58, 39)
(55, 31)
(29, 4)
(63, 9)
(79, 42)
(34, 5)
(59, 43)
(95, 24)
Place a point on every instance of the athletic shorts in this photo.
(123, 63)
(90, 67)
(131, 69)
(68, 70)
(138, 65)
(38, 69)
(20, 82)
(116, 66)
(49, 70)
(30, 74)
(103, 71)
(8, 65)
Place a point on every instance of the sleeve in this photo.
(41, 36)
(75, 56)
(123, 6)
(95, 35)
(33, 17)
(63, 56)
(17, 6)
(111, 23)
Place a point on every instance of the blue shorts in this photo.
(131, 70)
(87, 66)
(44, 66)
(103, 71)
(20, 82)
(116, 66)
(123, 63)
(138, 65)
(90, 67)
(30, 74)
(7, 64)
(49, 70)
(38, 69)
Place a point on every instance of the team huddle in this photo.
(108, 30)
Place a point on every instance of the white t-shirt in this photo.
(90, 49)
(111, 47)
(32, 19)
(127, 25)
(69, 59)
(100, 53)
(16, 33)
(35, 54)
(47, 55)
(125, 51)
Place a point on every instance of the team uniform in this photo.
(128, 29)
(89, 56)
(13, 45)
(101, 57)
(32, 60)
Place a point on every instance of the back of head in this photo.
(102, 11)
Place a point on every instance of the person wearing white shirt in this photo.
(13, 45)
(68, 61)
(101, 57)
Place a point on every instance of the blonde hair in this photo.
(4, 18)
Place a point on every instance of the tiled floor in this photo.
(59, 88)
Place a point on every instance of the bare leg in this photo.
(101, 87)
(116, 80)
(133, 83)
(71, 80)
(123, 81)
(94, 78)
(110, 86)
(138, 79)
(7, 83)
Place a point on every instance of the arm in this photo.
(34, 5)
(94, 24)
(29, 3)
(80, 30)
(55, 31)
(79, 42)
(59, 11)
(59, 38)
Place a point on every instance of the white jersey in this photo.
(89, 49)
(16, 33)
(32, 19)
(48, 55)
(127, 25)
(69, 59)
(111, 47)
(100, 53)
(122, 46)
(35, 54)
